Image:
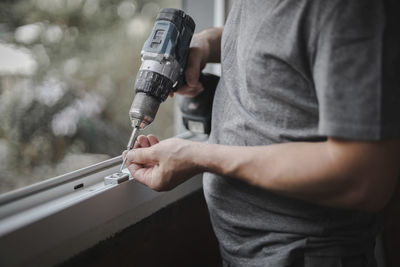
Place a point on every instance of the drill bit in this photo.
(130, 145)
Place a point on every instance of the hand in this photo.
(161, 165)
(205, 47)
(196, 61)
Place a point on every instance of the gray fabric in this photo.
(297, 70)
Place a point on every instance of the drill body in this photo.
(164, 56)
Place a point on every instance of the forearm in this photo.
(323, 173)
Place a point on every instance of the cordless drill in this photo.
(164, 57)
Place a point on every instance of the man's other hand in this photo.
(205, 47)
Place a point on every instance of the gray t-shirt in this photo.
(300, 70)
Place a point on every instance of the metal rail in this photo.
(71, 176)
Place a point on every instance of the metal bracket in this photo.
(116, 178)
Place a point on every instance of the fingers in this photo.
(141, 156)
(142, 141)
(191, 91)
(143, 176)
(192, 72)
(145, 141)
(134, 167)
(141, 163)
(152, 139)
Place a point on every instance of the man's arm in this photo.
(344, 174)
(347, 174)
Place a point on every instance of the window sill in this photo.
(47, 223)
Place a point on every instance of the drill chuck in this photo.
(143, 110)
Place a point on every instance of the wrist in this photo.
(207, 157)
(195, 154)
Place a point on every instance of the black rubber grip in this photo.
(154, 84)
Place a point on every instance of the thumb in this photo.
(142, 155)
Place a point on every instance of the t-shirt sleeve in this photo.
(356, 72)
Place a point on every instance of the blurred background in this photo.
(67, 69)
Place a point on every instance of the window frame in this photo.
(48, 222)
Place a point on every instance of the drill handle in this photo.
(196, 111)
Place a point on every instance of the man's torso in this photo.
(267, 95)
